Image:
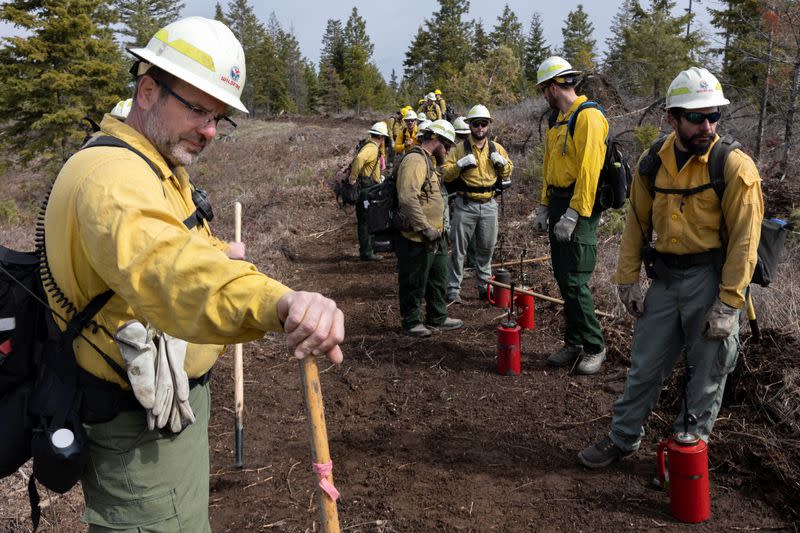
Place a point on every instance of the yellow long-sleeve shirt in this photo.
(404, 135)
(419, 199)
(583, 159)
(112, 223)
(691, 224)
(366, 163)
(484, 175)
(432, 111)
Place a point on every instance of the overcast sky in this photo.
(392, 24)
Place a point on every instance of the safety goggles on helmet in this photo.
(198, 114)
(695, 117)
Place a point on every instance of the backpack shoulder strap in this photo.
(573, 119)
(108, 140)
(650, 163)
(716, 163)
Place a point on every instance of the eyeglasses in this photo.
(479, 123)
(199, 114)
(695, 117)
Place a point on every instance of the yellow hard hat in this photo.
(437, 91)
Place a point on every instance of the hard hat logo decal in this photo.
(233, 79)
(235, 73)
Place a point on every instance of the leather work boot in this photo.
(590, 362)
(565, 356)
(601, 454)
(448, 324)
(418, 331)
(454, 298)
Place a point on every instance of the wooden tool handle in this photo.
(238, 365)
(318, 436)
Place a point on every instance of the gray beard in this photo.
(171, 151)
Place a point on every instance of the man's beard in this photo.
(170, 149)
(691, 146)
(440, 154)
(480, 134)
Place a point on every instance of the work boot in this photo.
(482, 294)
(382, 246)
(590, 362)
(371, 257)
(448, 324)
(453, 298)
(601, 454)
(418, 331)
(565, 356)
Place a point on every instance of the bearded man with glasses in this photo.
(476, 169)
(701, 264)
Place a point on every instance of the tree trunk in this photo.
(787, 138)
(762, 115)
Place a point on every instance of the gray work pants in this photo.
(468, 219)
(673, 320)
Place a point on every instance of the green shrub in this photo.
(614, 221)
(645, 135)
(9, 213)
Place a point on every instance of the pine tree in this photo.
(480, 42)
(312, 83)
(418, 62)
(393, 84)
(248, 29)
(358, 77)
(740, 25)
(143, 18)
(492, 81)
(333, 46)
(579, 47)
(623, 20)
(219, 14)
(65, 65)
(508, 32)
(536, 49)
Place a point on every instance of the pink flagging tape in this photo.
(323, 469)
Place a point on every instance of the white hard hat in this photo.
(410, 115)
(442, 128)
(202, 52)
(422, 116)
(430, 96)
(379, 128)
(461, 125)
(424, 125)
(478, 111)
(554, 67)
(695, 88)
(122, 109)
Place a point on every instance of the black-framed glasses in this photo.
(695, 117)
(479, 123)
(200, 114)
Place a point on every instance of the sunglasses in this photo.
(479, 123)
(698, 118)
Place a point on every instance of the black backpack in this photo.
(614, 183)
(773, 232)
(347, 193)
(383, 211)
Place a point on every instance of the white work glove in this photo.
(540, 218)
(498, 159)
(430, 234)
(566, 225)
(719, 321)
(135, 342)
(158, 416)
(631, 296)
(181, 414)
(467, 161)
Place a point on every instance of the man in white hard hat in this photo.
(702, 262)
(422, 249)
(408, 135)
(366, 170)
(475, 170)
(570, 174)
(118, 220)
(431, 108)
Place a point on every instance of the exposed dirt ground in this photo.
(424, 434)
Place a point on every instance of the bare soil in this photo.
(424, 434)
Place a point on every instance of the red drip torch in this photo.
(683, 469)
(507, 359)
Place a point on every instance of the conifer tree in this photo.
(418, 62)
(64, 65)
(219, 14)
(142, 18)
(623, 20)
(579, 46)
(508, 32)
(480, 42)
(358, 77)
(739, 25)
(250, 31)
(492, 81)
(536, 49)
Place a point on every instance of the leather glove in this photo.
(158, 416)
(430, 234)
(467, 161)
(135, 342)
(181, 414)
(540, 217)
(719, 321)
(498, 159)
(631, 296)
(566, 225)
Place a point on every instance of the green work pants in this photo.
(573, 264)
(672, 323)
(146, 481)
(421, 274)
(364, 237)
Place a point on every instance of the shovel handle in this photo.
(318, 437)
(238, 365)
